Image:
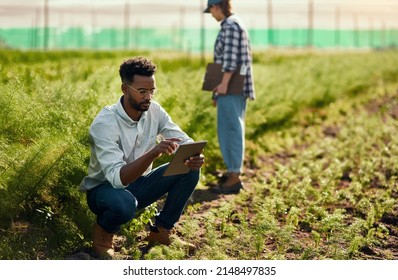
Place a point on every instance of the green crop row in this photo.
(48, 100)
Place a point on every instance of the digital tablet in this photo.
(183, 152)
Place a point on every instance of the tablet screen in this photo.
(183, 152)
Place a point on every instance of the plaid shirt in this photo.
(232, 48)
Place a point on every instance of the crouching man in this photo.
(126, 138)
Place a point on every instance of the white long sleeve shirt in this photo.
(117, 140)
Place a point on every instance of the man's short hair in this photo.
(136, 66)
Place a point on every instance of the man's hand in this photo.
(195, 162)
(167, 146)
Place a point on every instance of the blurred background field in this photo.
(181, 25)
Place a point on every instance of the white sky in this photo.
(187, 13)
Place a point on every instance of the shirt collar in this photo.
(122, 113)
(225, 20)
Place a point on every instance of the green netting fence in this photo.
(191, 40)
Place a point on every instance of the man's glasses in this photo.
(143, 92)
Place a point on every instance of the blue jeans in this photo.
(231, 110)
(115, 207)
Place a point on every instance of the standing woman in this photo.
(232, 50)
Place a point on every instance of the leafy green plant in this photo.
(320, 161)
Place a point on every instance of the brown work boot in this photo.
(160, 235)
(232, 185)
(102, 242)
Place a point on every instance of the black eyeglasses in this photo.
(143, 92)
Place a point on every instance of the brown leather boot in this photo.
(102, 242)
(160, 235)
(233, 179)
(232, 185)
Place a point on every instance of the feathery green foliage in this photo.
(324, 164)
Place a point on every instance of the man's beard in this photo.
(141, 107)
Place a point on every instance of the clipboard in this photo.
(183, 152)
(214, 74)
